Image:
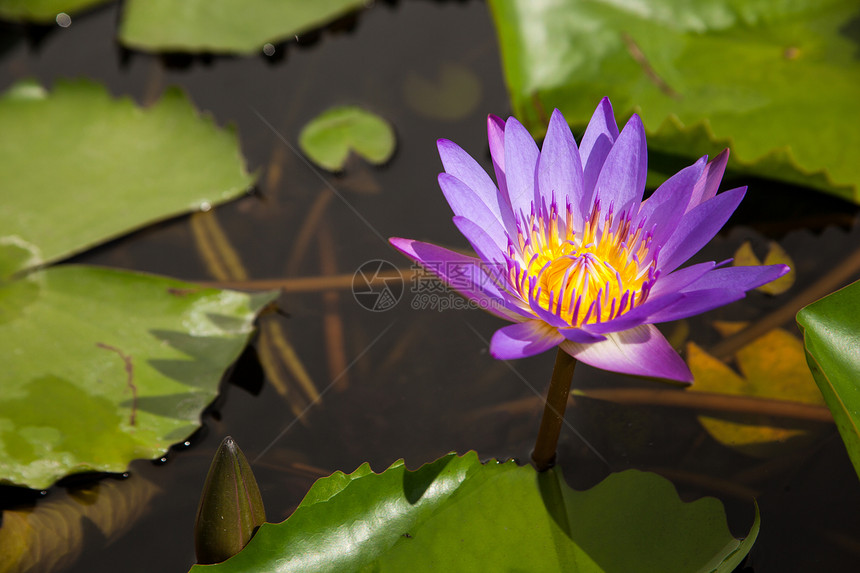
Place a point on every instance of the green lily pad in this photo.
(831, 336)
(702, 76)
(80, 167)
(457, 514)
(329, 137)
(101, 367)
(238, 26)
(43, 11)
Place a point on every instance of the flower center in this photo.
(595, 277)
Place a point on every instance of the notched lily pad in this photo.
(676, 64)
(457, 514)
(102, 367)
(43, 11)
(237, 26)
(80, 167)
(328, 139)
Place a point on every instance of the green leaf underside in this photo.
(457, 514)
(102, 367)
(80, 167)
(43, 11)
(702, 76)
(328, 138)
(238, 26)
(831, 335)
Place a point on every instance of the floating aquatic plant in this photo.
(571, 254)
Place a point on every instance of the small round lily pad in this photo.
(329, 137)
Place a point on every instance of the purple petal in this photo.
(667, 205)
(496, 138)
(466, 203)
(697, 227)
(483, 244)
(466, 275)
(679, 279)
(559, 167)
(717, 288)
(640, 315)
(621, 182)
(601, 129)
(706, 187)
(600, 134)
(641, 351)
(738, 278)
(579, 335)
(545, 315)
(521, 154)
(697, 302)
(524, 339)
(461, 165)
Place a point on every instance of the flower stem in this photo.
(543, 456)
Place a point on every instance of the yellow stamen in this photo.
(595, 277)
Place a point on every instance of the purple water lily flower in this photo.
(571, 253)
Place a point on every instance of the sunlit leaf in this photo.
(772, 366)
(241, 26)
(702, 75)
(453, 94)
(79, 167)
(101, 367)
(457, 514)
(43, 11)
(745, 257)
(51, 535)
(328, 138)
(831, 336)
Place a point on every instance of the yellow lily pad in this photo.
(745, 256)
(773, 366)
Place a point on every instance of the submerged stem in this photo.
(543, 456)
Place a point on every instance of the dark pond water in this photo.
(412, 383)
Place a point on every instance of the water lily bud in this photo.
(231, 507)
